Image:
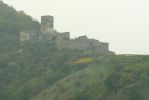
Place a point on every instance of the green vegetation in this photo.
(125, 79)
(11, 23)
(48, 74)
(41, 72)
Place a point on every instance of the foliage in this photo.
(11, 23)
(41, 71)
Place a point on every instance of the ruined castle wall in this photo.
(105, 47)
(29, 36)
(24, 36)
(65, 35)
(86, 44)
(80, 43)
(62, 40)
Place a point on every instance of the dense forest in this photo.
(41, 72)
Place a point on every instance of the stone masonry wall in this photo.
(62, 40)
(47, 24)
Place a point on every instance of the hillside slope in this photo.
(119, 77)
(11, 23)
(85, 84)
(43, 72)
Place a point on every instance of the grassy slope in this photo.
(88, 82)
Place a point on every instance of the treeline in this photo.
(12, 21)
(27, 72)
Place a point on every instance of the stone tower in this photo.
(47, 24)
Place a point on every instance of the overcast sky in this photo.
(122, 23)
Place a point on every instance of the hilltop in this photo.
(39, 63)
(21, 30)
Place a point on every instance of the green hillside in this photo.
(43, 72)
(11, 23)
(50, 74)
(125, 80)
(85, 84)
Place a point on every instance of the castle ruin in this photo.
(62, 40)
(47, 24)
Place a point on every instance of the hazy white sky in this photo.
(122, 23)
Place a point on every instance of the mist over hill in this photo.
(46, 70)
